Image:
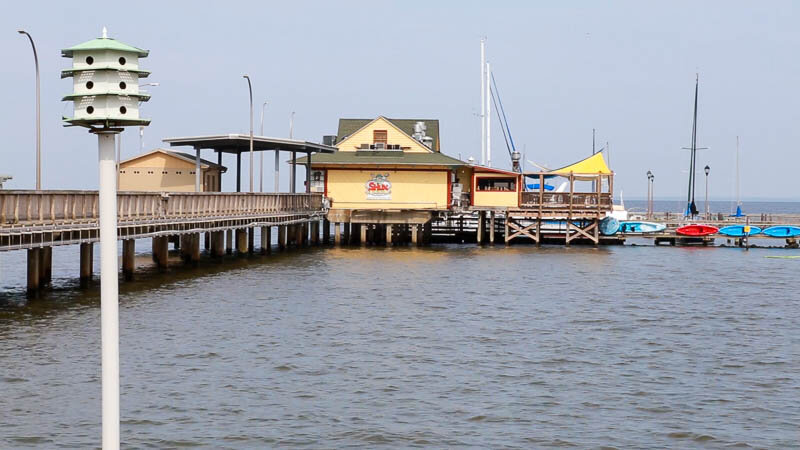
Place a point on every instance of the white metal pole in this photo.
(109, 285)
(277, 171)
(197, 178)
(250, 88)
(119, 155)
(483, 101)
(261, 176)
(488, 115)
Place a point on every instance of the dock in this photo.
(36, 221)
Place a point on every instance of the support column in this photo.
(34, 278)
(194, 247)
(491, 227)
(282, 237)
(251, 239)
(45, 265)
(363, 234)
(185, 246)
(315, 232)
(347, 237)
(337, 234)
(161, 250)
(326, 231)
(299, 231)
(86, 263)
(266, 240)
(128, 252)
(388, 235)
(479, 235)
(241, 241)
(229, 241)
(217, 243)
(505, 230)
(207, 241)
(238, 172)
(415, 235)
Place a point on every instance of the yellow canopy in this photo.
(590, 166)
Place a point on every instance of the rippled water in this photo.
(442, 346)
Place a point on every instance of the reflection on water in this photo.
(442, 346)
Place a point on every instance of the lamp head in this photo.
(649, 174)
(21, 32)
(706, 170)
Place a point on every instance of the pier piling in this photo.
(86, 249)
(251, 239)
(266, 240)
(45, 265)
(389, 235)
(128, 247)
(229, 241)
(363, 234)
(491, 227)
(34, 278)
(241, 241)
(161, 251)
(326, 231)
(337, 234)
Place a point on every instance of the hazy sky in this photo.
(624, 68)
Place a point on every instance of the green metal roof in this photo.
(350, 126)
(142, 96)
(383, 157)
(104, 44)
(71, 72)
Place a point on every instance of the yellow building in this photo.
(164, 170)
(388, 166)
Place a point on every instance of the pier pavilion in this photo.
(237, 144)
(387, 180)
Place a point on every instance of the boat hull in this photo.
(697, 230)
(738, 231)
(609, 226)
(783, 231)
(639, 227)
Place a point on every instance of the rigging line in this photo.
(504, 113)
(497, 110)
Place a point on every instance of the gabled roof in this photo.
(204, 164)
(383, 158)
(104, 44)
(349, 126)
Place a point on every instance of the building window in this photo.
(379, 137)
(497, 184)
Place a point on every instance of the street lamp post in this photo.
(141, 129)
(261, 177)
(38, 115)
(650, 178)
(708, 210)
(250, 87)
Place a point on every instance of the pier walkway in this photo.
(38, 220)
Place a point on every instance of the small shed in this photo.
(493, 188)
(165, 170)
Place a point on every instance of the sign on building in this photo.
(379, 187)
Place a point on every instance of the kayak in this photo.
(609, 226)
(739, 230)
(697, 230)
(633, 226)
(783, 231)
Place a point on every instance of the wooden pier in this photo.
(36, 221)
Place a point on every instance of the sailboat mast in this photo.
(692, 154)
(483, 101)
(738, 183)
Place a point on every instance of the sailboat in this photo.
(691, 208)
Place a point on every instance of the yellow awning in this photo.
(590, 166)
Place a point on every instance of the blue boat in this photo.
(738, 231)
(783, 231)
(639, 227)
(609, 226)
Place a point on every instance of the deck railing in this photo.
(20, 207)
(562, 200)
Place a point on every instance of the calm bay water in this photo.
(442, 346)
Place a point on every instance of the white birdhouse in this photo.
(105, 75)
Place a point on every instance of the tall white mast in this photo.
(483, 101)
(488, 115)
(738, 183)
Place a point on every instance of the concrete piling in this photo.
(161, 251)
(229, 242)
(241, 241)
(34, 278)
(128, 252)
(326, 231)
(86, 269)
(45, 265)
(266, 240)
(282, 237)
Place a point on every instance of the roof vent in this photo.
(419, 134)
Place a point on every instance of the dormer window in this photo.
(380, 137)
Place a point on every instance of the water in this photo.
(435, 347)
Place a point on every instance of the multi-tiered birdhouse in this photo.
(105, 75)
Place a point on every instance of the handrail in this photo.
(26, 206)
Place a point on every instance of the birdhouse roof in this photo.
(104, 44)
(66, 73)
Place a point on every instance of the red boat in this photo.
(697, 230)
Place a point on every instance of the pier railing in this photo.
(561, 200)
(42, 207)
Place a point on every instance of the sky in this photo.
(625, 68)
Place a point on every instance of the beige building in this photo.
(165, 170)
